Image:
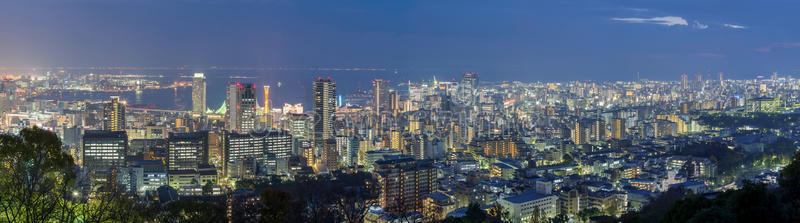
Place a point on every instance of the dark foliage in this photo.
(758, 120)
(752, 203)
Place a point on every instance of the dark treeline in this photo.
(752, 203)
(758, 120)
(39, 182)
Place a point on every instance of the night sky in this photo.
(502, 40)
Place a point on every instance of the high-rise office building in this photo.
(324, 108)
(381, 101)
(394, 102)
(241, 110)
(699, 82)
(404, 183)
(104, 149)
(330, 154)
(579, 134)
(270, 149)
(397, 139)
(299, 126)
(199, 94)
(684, 83)
(468, 85)
(351, 151)
(469, 80)
(114, 115)
(187, 151)
(598, 130)
(618, 128)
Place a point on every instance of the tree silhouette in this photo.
(499, 212)
(474, 214)
(585, 214)
(538, 216)
(789, 179)
(36, 176)
(278, 206)
(560, 218)
(191, 210)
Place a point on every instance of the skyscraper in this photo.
(579, 133)
(699, 81)
(404, 182)
(684, 83)
(187, 151)
(104, 149)
(299, 125)
(598, 130)
(380, 96)
(469, 83)
(324, 108)
(469, 80)
(266, 147)
(618, 128)
(199, 94)
(241, 102)
(114, 115)
(330, 154)
(266, 99)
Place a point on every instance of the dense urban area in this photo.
(695, 148)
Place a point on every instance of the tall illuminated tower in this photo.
(324, 108)
(579, 133)
(467, 87)
(618, 128)
(241, 110)
(380, 96)
(114, 115)
(199, 94)
(685, 85)
(266, 99)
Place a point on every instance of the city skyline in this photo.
(399, 111)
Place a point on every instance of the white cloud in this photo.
(666, 20)
(638, 9)
(698, 25)
(732, 26)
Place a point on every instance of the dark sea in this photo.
(286, 86)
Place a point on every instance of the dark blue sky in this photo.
(517, 40)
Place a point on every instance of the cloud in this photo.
(769, 48)
(711, 55)
(638, 9)
(698, 25)
(732, 26)
(666, 20)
